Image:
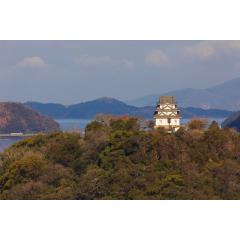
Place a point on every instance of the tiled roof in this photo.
(167, 99)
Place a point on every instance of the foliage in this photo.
(197, 124)
(117, 159)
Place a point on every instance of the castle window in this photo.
(169, 120)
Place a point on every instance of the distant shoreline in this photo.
(74, 124)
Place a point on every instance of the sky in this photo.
(70, 72)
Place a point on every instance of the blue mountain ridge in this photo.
(89, 109)
(221, 96)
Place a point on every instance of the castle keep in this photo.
(167, 114)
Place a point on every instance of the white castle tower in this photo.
(167, 114)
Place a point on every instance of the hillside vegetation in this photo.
(15, 117)
(115, 159)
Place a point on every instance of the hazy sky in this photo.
(74, 71)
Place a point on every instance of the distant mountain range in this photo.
(222, 96)
(88, 110)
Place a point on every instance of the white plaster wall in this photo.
(164, 122)
(161, 122)
(175, 122)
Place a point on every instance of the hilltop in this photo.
(221, 96)
(15, 117)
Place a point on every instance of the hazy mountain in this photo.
(103, 105)
(90, 109)
(191, 112)
(15, 117)
(50, 109)
(222, 96)
(85, 110)
(233, 121)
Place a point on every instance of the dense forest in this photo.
(124, 158)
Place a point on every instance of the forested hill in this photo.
(15, 117)
(115, 159)
(88, 110)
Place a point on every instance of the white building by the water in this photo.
(167, 114)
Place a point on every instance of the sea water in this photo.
(65, 125)
(74, 124)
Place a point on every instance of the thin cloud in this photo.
(32, 62)
(87, 60)
(212, 49)
(201, 50)
(157, 58)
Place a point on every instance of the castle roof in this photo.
(167, 99)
